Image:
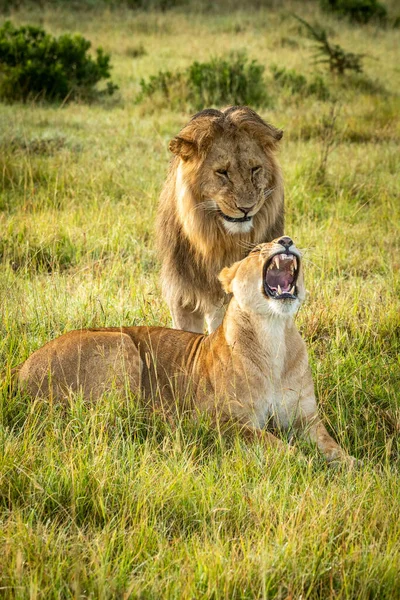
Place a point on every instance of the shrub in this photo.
(164, 83)
(359, 11)
(297, 83)
(34, 64)
(230, 80)
(136, 51)
(338, 59)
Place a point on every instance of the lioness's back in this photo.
(95, 360)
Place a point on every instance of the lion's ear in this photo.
(195, 138)
(247, 119)
(182, 147)
(268, 135)
(227, 275)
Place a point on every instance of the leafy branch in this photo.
(338, 59)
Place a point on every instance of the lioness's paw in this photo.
(345, 461)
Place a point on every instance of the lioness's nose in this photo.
(246, 209)
(285, 241)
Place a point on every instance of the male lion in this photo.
(253, 370)
(222, 196)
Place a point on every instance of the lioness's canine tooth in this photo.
(279, 289)
(276, 260)
(292, 291)
(295, 262)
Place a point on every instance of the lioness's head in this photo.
(269, 280)
(227, 159)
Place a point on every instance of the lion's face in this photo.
(226, 160)
(236, 181)
(269, 280)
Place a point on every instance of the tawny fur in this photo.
(194, 240)
(253, 370)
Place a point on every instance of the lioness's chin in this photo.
(233, 228)
(284, 308)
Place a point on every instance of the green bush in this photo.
(334, 56)
(230, 80)
(297, 83)
(164, 83)
(359, 11)
(136, 51)
(34, 64)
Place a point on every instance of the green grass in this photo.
(105, 501)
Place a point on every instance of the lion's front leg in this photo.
(214, 317)
(186, 319)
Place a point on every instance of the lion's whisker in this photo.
(268, 192)
(207, 206)
(246, 245)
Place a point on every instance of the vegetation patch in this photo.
(35, 65)
(34, 256)
(296, 83)
(334, 56)
(358, 11)
(136, 51)
(231, 80)
(40, 145)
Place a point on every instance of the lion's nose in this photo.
(246, 209)
(286, 242)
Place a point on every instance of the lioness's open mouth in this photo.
(280, 276)
(234, 219)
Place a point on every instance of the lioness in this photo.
(223, 195)
(253, 369)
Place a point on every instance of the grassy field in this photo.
(107, 502)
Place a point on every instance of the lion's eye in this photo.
(222, 172)
(255, 170)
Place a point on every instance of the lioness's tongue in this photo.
(281, 277)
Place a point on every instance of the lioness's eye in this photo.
(223, 172)
(255, 170)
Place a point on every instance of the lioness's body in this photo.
(221, 372)
(252, 369)
(194, 239)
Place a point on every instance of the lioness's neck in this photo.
(258, 334)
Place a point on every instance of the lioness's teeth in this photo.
(276, 260)
(295, 262)
(292, 291)
(279, 289)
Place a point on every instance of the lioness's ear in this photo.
(227, 275)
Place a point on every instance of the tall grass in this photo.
(108, 501)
